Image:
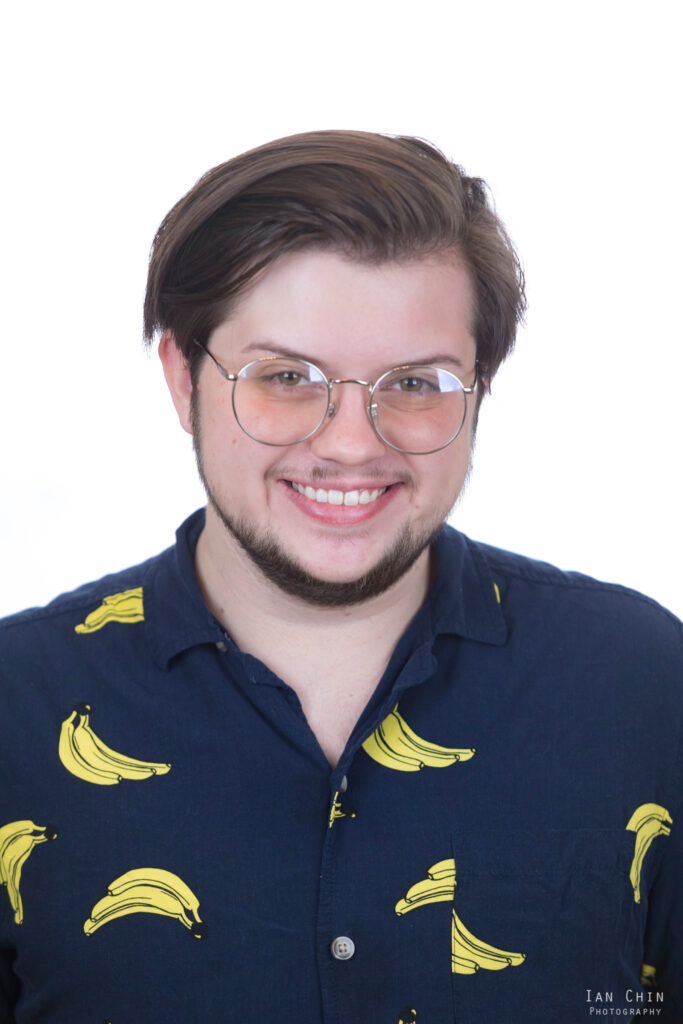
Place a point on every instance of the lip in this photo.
(341, 515)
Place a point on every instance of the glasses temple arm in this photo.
(221, 369)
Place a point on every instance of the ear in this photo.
(177, 374)
(483, 379)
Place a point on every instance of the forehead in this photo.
(324, 306)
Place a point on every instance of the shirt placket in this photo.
(342, 953)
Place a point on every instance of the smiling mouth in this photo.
(333, 497)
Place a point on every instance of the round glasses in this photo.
(280, 401)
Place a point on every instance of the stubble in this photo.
(287, 573)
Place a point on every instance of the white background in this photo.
(572, 112)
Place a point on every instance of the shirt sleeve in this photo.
(663, 946)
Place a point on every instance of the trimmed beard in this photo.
(290, 576)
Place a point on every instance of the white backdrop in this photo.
(570, 111)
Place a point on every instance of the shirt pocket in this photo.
(544, 925)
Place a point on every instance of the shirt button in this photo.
(343, 785)
(222, 646)
(342, 948)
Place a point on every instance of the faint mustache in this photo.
(321, 475)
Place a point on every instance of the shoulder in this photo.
(579, 650)
(543, 577)
(117, 593)
(571, 604)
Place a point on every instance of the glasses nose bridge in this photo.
(350, 380)
(332, 405)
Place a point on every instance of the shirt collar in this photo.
(175, 610)
(463, 600)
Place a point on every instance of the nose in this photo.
(348, 436)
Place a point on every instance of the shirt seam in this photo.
(554, 577)
(66, 605)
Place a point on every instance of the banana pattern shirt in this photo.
(500, 843)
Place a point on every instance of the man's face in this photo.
(351, 320)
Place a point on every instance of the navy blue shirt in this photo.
(500, 842)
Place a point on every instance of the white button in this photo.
(222, 646)
(343, 948)
(343, 785)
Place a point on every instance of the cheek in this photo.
(447, 475)
(217, 417)
(236, 466)
(219, 428)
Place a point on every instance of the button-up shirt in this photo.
(500, 842)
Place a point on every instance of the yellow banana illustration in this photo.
(340, 810)
(437, 887)
(149, 891)
(124, 607)
(17, 839)
(395, 745)
(648, 821)
(469, 954)
(408, 1015)
(648, 976)
(84, 754)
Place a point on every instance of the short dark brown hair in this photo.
(370, 197)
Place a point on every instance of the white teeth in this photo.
(334, 497)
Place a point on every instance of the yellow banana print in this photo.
(469, 954)
(84, 754)
(408, 1015)
(648, 821)
(149, 891)
(437, 887)
(124, 607)
(339, 810)
(395, 745)
(17, 839)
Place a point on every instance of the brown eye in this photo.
(411, 383)
(288, 377)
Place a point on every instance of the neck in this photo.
(225, 570)
(333, 658)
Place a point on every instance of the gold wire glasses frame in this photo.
(414, 388)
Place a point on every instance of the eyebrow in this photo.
(283, 350)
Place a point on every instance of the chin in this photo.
(292, 577)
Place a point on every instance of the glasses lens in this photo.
(280, 401)
(419, 409)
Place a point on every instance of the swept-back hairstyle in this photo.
(369, 197)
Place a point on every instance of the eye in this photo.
(411, 383)
(288, 377)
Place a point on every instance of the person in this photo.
(327, 759)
